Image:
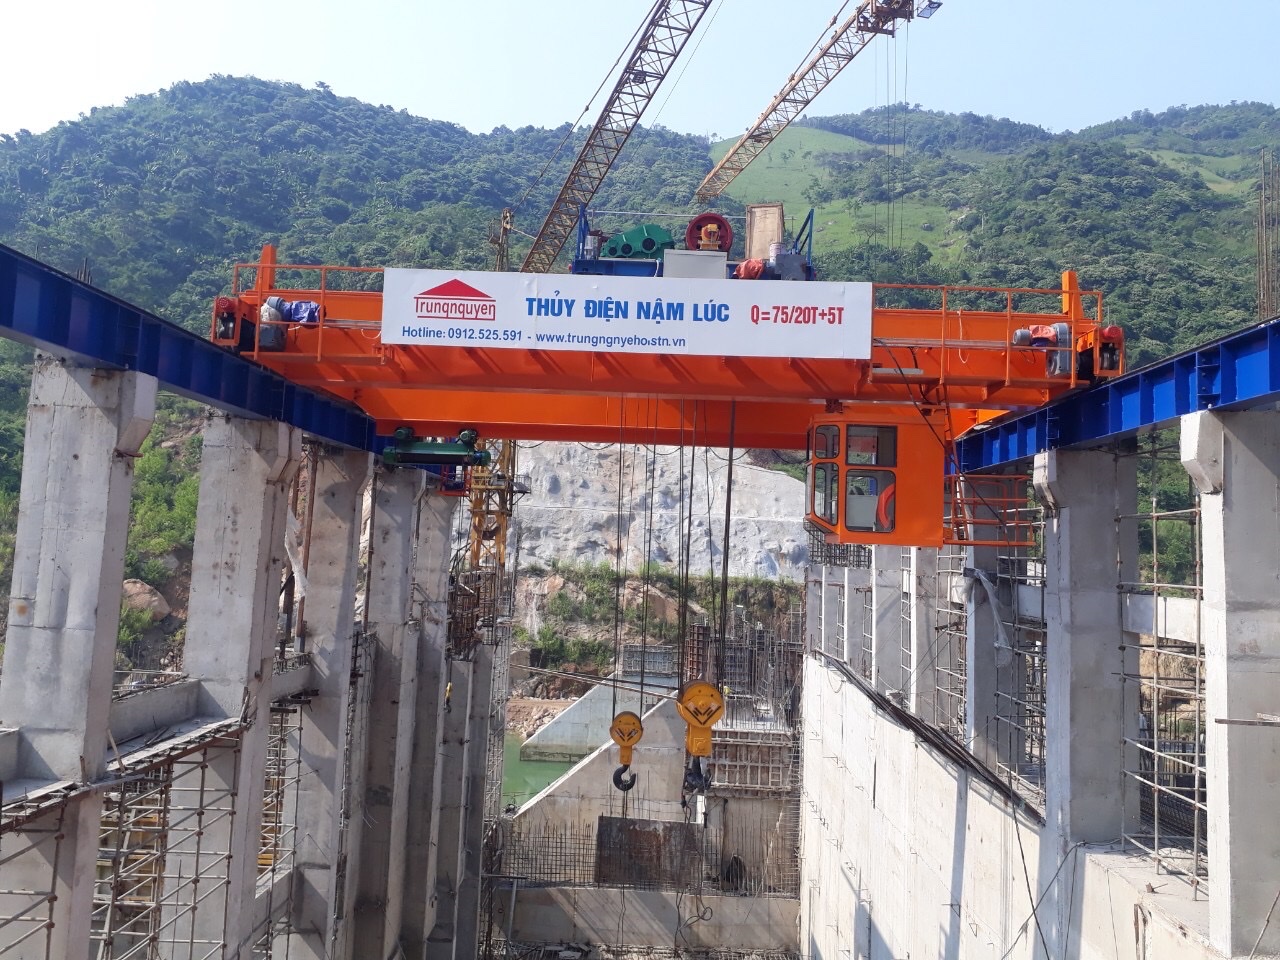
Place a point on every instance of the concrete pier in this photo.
(332, 568)
(430, 614)
(245, 470)
(394, 684)
(1234, 459)
(84, 427)
(450, 804)
(1088, 554)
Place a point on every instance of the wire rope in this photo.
(574, 126)
(724, 547)
(617, 577)
(685, 65)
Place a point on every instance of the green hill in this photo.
(162, 194)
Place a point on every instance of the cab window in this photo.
(869, 500)
(822, 496)
(826, 442)
(871, 446)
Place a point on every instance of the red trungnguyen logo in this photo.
(454, 300)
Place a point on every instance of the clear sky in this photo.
(1062, 65)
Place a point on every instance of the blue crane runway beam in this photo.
(1236, 372)
(48, 309)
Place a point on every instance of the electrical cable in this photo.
(1044, 893)
(1265, 924)
(1026, 876)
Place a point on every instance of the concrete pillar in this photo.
(922, 685)
(1234, 459)
(886, 631)
(1087, 554)
(814, 579)
(245, 470)
(83, 429)
(332, 573)
(466, 926)
(430, 613)
(392, 711)
(981, 731)
(451, 765)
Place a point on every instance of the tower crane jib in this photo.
(871, 18)
(670, 25)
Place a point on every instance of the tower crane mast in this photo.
(869, 20)
(663, 37)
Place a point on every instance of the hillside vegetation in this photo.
(162, 194)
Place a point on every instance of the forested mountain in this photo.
(162, 194)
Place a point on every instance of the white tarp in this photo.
(620, 315)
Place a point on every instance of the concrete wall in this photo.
(153, 709)
(583, 727)
(755, 831)
(579, 797)
(907, 854)
(614, 916)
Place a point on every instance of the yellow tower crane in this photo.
(871, 19)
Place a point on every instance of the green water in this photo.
(522, 779)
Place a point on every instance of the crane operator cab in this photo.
(877, 482)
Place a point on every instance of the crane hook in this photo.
(620, 779)
(626, 731)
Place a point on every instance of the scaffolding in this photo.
(481, 600)
(1021, 676)
(1164, 675)
(661, 662)
(161, 837)
(758, 669)
(749, 762)
(906, 620)
(866, 666)
(833, 634)
(951, 614)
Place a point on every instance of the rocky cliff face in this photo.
(573, 514)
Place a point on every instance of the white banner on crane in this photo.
(621, 315)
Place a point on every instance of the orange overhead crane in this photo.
(878, 426)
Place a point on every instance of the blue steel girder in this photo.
(47, 309)
(1235, 372)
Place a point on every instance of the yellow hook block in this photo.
(626, 732)
(701, 706)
